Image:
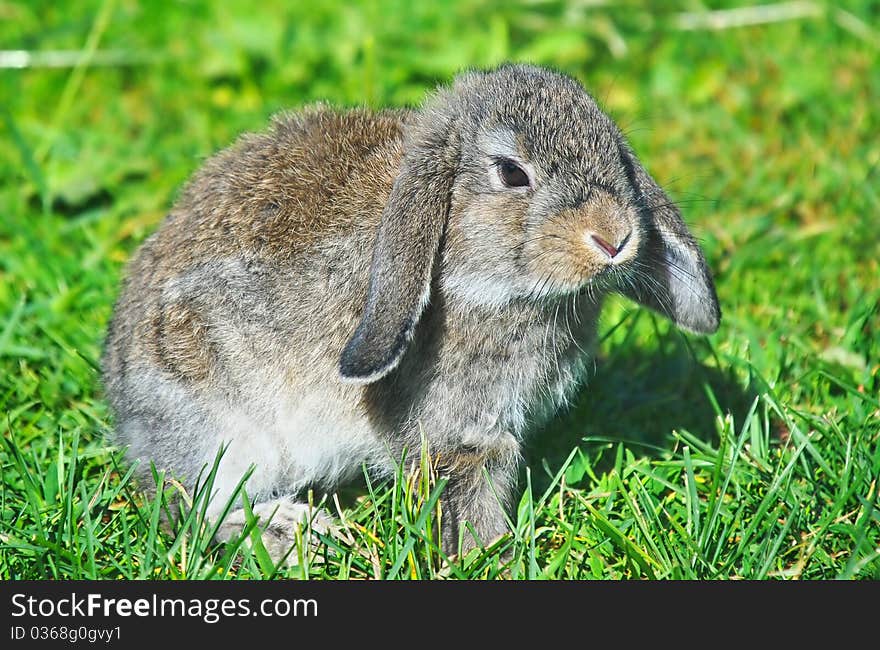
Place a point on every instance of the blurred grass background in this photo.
(761, 120)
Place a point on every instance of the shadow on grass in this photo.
(639, 397)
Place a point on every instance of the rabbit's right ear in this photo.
(406, 246)
(677, 282)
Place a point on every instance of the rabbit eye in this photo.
(512, 174)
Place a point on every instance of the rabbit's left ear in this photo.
(405, 249)
(672, 277)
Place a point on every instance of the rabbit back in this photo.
(231, 315)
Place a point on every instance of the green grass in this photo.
(753, 453)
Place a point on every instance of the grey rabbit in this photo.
(328, 292)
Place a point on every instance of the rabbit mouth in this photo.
(612, 277)
(558, 287)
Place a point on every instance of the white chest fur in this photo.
(314, 440)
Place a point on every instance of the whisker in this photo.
(531, 240)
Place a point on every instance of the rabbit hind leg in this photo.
(279, 522)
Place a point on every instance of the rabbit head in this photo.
(513, 186)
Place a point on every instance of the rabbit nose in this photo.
(611, 249)
(605, 246)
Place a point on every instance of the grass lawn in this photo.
(752, 453)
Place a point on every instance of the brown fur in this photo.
(310, 176)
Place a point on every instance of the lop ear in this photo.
(406, 246)
(673, 277)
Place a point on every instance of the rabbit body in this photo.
(328, 293)
(210, 342)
